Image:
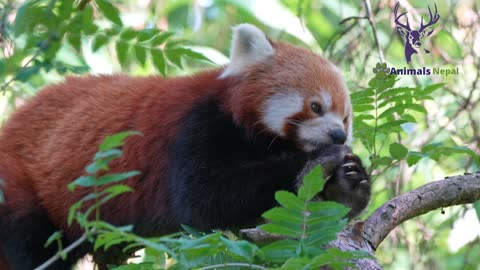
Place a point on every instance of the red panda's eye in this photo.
(345, 120)
(316, 108)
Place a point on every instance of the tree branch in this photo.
(367, 235)
(66, 250)
(371, 20)
(461, 189)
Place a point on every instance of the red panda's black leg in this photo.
(23, 238)
(24, 224)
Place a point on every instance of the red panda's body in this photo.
(63, 126)
(48, 142)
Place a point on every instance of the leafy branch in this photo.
(64, 22)
(62, 253)
(108, 152)
(367, 235)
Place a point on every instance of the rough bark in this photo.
(367, 235)
(461, 189)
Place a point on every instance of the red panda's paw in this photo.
(329, 157)
(352, 170)
(349, 185)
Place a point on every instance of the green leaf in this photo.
(72, 211)
(161, 38)
(25, 74)
(65, 9)
(83, 181)
(278, 213)
(414, 157)
(192, 54)
(324, 236)
(117, 140)
(362, 94)
(398, 151)
(393, 92)
(390, 126)
(110, 11)
(382, 161)
(2, 196)
(147, 34)
(280, 251)
(122, 52)
(431, 88)
(382, 85)
(281, 229)
(362, 101)
(400, 109)
(326, 210)
(240, 249)
(128, 34)
(175, 57)
(115, 153)
(141, 54)
(99, 165)
(99, 42)
(75, 40)
(24, 18)
(117, 177)
(192, 231)
(137, 266)
(289, 200)
(54, 237)
(51, 51)
(313, 184)
(87, 15)
(363, 108)
(159, 61)
(117, 190)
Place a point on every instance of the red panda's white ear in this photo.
(249, 46)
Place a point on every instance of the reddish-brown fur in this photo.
(48, 142)
(51, 139)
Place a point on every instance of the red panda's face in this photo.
(307, 118)
(289, 91)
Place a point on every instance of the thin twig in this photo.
(66, 250)
(371, 20)
(352, 18)
(42, 48)
(244, 265)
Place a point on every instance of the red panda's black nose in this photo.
(338, 136)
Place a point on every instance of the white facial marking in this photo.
(279, 107)
(327, 101)
(316, 131)
(249, 46)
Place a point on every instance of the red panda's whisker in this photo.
(272, 142)
(295, 123)
(261, 131)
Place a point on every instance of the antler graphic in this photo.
(397, 17)
(433, 19)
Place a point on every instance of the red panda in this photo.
(215, 148)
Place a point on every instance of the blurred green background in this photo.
(39, 48)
